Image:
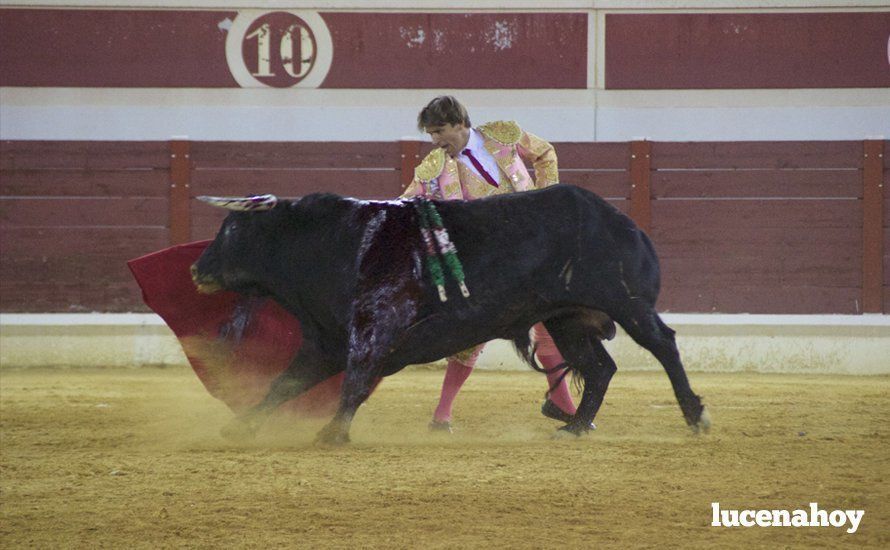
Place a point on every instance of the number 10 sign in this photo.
(281, 49)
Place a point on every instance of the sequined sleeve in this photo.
(414, 189)
(542, 155)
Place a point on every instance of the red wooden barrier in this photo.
(640, 193)
(873, 227)
(409, 152)
(180, 178)
(71, 215)
(758, 227)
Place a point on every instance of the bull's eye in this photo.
(231, 229)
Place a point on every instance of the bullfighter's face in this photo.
(453, 138)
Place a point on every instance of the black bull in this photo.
(353, 273)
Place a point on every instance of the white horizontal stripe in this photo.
(10, 227)
(458, 5)
(743, 124)
(414, 99)
(757, 199)
(380, 115)
(703, 319)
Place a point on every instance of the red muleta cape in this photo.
(236, 372)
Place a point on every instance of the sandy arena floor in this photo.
(132, 459)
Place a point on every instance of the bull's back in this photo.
(542, 234)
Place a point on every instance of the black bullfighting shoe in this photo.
(441, 426)
(551, 410)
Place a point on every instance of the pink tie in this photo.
(478, 166)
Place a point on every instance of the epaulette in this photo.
(431, 166)
(505, 132)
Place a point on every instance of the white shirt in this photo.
(476, 145)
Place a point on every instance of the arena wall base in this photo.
(829, 344)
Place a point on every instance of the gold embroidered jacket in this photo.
(441, 176)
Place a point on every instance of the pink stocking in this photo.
(549, 357)
(456, 374)
(559, 395)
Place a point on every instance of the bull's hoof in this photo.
(563, 433)
(703, 425)
(576, 429)
(331, 441)
(332, 436)
(239, 431)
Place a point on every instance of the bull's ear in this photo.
(254, 203)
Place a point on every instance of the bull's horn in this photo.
(253, 203)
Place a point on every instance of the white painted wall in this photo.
(389, 115)
(594, 114)
(827, 344)
(462, 5)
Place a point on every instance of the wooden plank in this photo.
(620, 204)
(886, 297)
(83, 155)
(149, 182)
(83, 212)
(886, 264)
(61, 243)
(366, 184)
(640, 189)
(598, 155)
(268, 155)
(772, 268)
(757, 154)
(886, 261)
(66, 269)
(751, 255)
(803, 300)
(872, 227)
(206, 220)
(745, 214)
(886, 186)
(409, 153)
(603, 183)
(757, 183)
(83, 269)
(735, 232)
(180, 176)
(63, 297)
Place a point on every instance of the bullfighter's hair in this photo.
(443, 110)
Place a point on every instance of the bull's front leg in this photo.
(307, 369)
(356, 387)
(581, 347)
(597, 372)
(371, 334)
(385, 303)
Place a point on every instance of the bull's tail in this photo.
(526, 349)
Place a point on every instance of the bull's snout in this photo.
(205, 285)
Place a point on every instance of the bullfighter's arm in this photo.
(425, 175)
(542, 155)
(414, 189)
